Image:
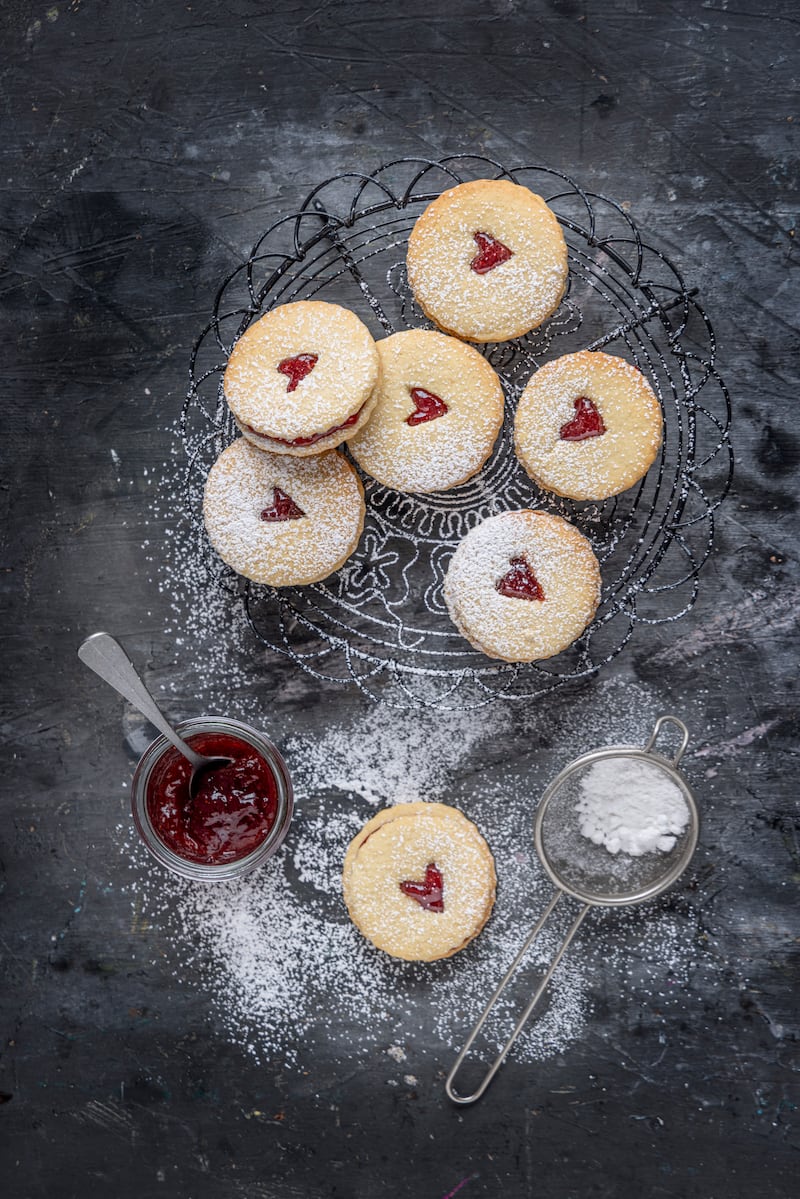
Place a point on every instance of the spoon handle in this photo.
(106, 657)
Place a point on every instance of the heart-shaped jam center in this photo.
(297, 368)
(587, 422)
(491, 253)
(520, 582)
(283, 507)
(427, 406)
(429, 894)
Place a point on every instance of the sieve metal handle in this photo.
(498, 1061)
(657, 727)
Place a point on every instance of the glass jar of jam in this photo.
(239, 815)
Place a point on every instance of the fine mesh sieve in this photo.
(590, 872)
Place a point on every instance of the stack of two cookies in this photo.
(281, 505)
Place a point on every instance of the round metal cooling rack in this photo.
(380, 622)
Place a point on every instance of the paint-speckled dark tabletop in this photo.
(142, 1050)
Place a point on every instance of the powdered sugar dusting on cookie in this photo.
(565, 569)
(325, 488)
(597, 467)
(399, 845)
(515, 296)
(343, 378)
(438, 454)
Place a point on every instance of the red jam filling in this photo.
(283, 507)
(297, 368)
(587, 422)
(429, 894)
(427, 406)
(314, 438)
(520, 582)
(491, 253)
(233, 811)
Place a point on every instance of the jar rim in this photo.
(199, 871)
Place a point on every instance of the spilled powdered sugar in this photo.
(285, 973)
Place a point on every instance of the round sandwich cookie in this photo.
(301, 379)
(588, 426)
(279, 520)
(487, 261)
(439, 410)
(522, 586)
(419, 881)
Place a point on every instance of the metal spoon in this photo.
(106, 657)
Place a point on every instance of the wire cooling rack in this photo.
(380, 622)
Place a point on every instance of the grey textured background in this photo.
(144, 146)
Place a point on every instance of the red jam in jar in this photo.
(233, 811)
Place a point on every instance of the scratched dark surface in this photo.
(144, 147)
